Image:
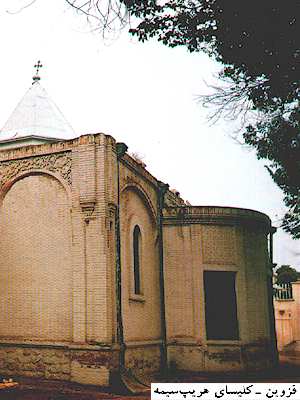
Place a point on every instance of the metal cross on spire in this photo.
(38, 66)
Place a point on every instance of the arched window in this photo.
(137, 260)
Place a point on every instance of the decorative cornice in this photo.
(185, 215)
(132, 165)
(56, 147)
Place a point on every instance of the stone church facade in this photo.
(103, 269)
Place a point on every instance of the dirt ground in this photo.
(59, 393)
(30, 389)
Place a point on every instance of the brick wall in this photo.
(198, 239)
(58, 263)
(35, 262)
(141, 313)
(57, 254)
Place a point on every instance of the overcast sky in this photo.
(141, 94)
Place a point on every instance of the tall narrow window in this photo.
(137, 260)
(220, 305)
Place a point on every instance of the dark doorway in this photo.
(220, 305)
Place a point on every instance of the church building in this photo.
(104, 270)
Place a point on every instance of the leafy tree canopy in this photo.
(286, 274)
(257, 41)
(258, 44)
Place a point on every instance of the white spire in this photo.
(36, 115)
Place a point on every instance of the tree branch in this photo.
(103, 15)
(21, 8)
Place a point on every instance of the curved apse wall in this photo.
(35, 262)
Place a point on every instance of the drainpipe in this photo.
(271, 303)
(162, 189)
(121, 149)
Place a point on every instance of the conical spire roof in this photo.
(36, 115)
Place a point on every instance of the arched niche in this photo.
(140, 303)
(35, 260)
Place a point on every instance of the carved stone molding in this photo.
(59, 163)
(112, 209)
(186, 215)
(88, 210)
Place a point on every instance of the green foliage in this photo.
(278, 140)
(258, 44)
(257, 39)
(287, 274)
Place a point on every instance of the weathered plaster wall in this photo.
(287, 317)
(286, 320)
(143, 358)
(83, 364)
(296, 319)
